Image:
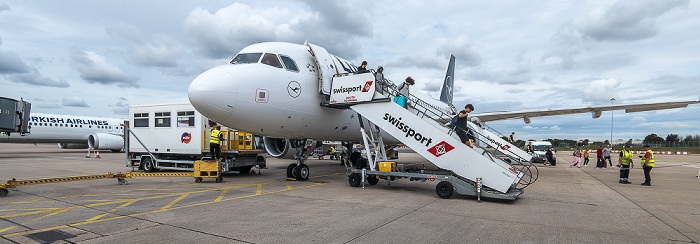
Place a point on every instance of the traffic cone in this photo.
(97, 155)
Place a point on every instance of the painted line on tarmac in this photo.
(126, 202)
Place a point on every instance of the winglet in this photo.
(446, 92)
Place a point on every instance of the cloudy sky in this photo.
(95, 58)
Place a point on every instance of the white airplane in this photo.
(282, 91)
(72, 132)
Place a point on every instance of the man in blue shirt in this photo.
(606, 156)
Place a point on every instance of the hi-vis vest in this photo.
(214, 136)
(626, 157)
(650, 163)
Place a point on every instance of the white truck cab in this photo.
(538, 150)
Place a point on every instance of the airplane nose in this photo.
(214, 92)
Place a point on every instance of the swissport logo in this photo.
(440, 149)
(186, 138)
(367, 86)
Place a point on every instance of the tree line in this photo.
(671, 140)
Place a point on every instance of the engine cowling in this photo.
(283, 148)
(279, 148)
(72, 145)
(102, 141)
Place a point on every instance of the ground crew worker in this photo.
(214, 140)
(647, 165)
(625, 161)
(333, 151)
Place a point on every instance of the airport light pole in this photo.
(612, 119)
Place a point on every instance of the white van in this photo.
(539, 148)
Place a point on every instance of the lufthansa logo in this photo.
(294, 89)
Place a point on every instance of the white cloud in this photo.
(34, 78)
(639, 119)
(601, 91)
(334, 25)
(462, 48)
(10, 63)
(94, 68)
(73, 102)
(628, 20)
(163, 51)
(555, 128)
(120, 107)
(4, 7)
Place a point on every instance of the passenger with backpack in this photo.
(460, 126)
(577, 158)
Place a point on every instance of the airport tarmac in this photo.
(565, 205)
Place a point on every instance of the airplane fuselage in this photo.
(277, 101)
(56, 128)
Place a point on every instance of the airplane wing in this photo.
(596, 111)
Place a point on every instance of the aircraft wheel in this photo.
(372, 179)
(148, 165)
(197, 179)
(290, 170)
(354, 180)
(444, 189)
(302, 172)
(3, 192)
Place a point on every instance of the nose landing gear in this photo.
(299, 170)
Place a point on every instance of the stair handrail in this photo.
(443, 118)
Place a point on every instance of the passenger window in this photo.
(140, 120)
(246, 58)
(162, 119)
(289, 63)
(185, 119)
(271, 59)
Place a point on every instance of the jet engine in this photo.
(284, 148)
(63, 145)
(103, 141)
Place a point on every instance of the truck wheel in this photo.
(372, 179)
(302, 172)
(197, 179)
(148, 165)
(290, 170)
(354, 180)
(3, 192)
(219, 179)
(444, 189)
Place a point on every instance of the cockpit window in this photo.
(246, 58)
(272, 60)
(289, 63)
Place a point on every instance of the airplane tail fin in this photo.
(447, 85)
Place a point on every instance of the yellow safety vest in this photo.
(626, 157)
(649, 163)
(214, 136)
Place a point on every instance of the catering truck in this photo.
(173, 136)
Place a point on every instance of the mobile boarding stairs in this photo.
(493, 168)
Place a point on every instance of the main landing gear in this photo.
(298, 170)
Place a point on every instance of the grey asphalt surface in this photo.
(565, 205)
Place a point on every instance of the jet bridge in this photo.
(500, 167)
(14, 116)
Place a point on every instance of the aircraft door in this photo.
(326, 68)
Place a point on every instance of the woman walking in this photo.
(577, 158)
